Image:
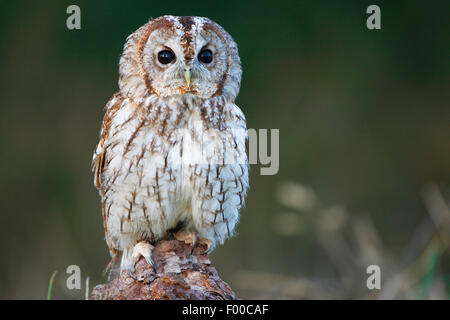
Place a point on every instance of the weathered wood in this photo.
(180, 274)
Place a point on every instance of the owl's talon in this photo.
(194, 242)
(150, 262)
(145, 250)
(186, 236)
(208, 243)
(190, 238)
(141, 249)
(130, 274)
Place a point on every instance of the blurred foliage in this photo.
(364, 124)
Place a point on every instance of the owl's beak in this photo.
(187, 76)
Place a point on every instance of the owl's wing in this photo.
(97, 167)
(100, 163)
(99, 158)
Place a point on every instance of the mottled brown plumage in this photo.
(172, 146)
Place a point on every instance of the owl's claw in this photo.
(193, 246)
(150, 262)
(143, 249)
(208, 243)
(130, 272)
(191, 238)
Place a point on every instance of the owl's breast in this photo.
(168, 165)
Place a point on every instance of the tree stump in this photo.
(180, 274)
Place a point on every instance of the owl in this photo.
(171, 159)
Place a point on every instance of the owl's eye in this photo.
(166, 56)
(205, 56)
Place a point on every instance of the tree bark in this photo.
(180, 274)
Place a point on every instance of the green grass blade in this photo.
(50, 285)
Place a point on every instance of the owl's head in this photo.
(180, 55)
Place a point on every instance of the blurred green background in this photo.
(364, 123)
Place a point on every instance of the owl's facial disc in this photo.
(185, 58)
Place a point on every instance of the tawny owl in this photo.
(171, 156)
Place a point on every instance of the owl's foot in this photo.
(207, 242)
(186, 237)
(141, 249)
(191, 238)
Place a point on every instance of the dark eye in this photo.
(205, 56)
(166, 56)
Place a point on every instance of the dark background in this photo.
(364, 144)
